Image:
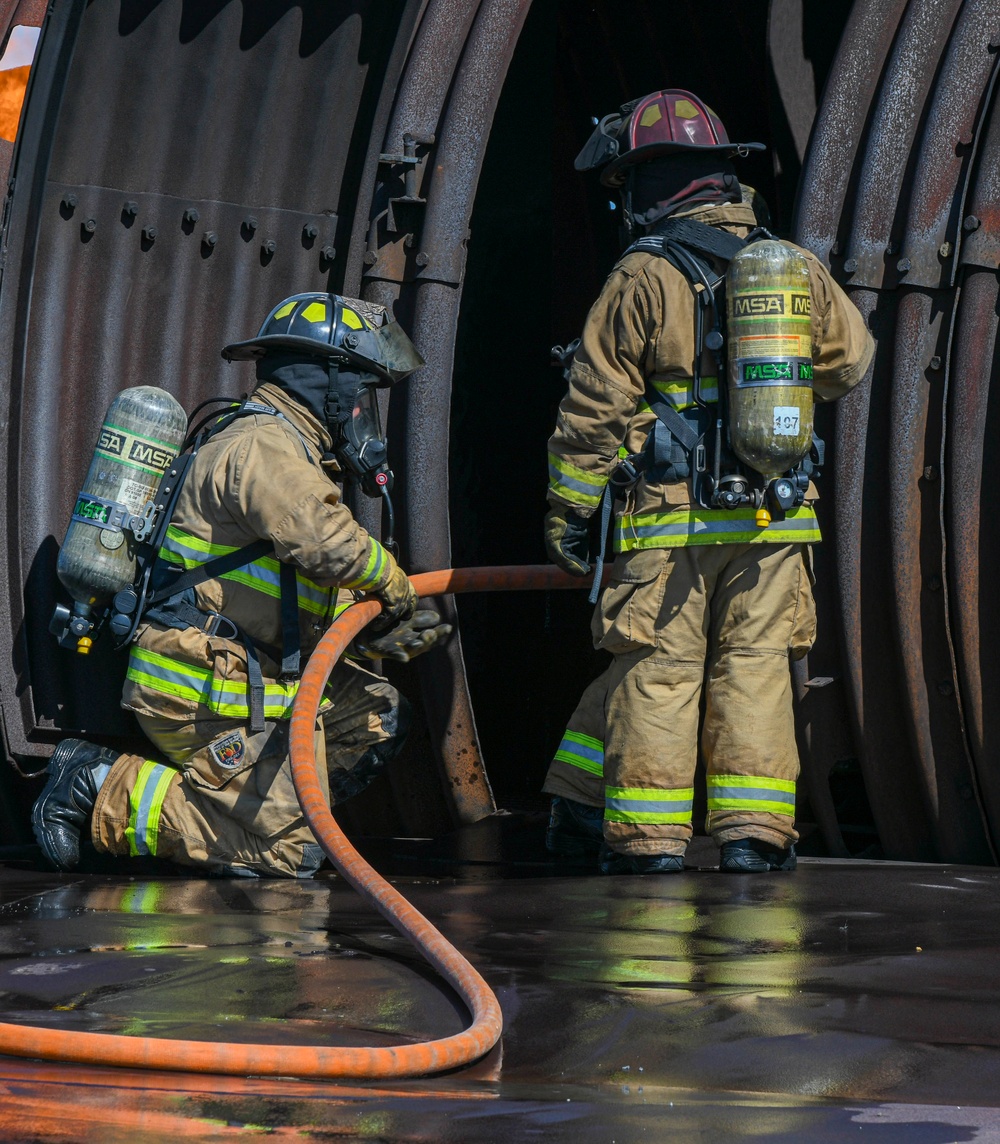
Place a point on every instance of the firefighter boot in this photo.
(611, 862)
(576, 830)
(753, 856)
(76, 771)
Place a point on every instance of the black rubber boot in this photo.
(576, 830)
(612, 862)
(76, 771)
(753, 856)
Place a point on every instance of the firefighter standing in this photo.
(213, 670)
(701, 598)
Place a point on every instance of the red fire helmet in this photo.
(659, 124)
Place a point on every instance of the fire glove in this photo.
(407, 639)
(567, 540)
(399, 600)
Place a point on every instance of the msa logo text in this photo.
(112, 442)
(767, 371)
(144, 454)
(771, 305)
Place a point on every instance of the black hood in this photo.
(307, 379)
(663, 186)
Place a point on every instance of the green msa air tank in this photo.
(770, 360)
(141, 436)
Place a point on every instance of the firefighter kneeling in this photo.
(214, 664)
(710, 591)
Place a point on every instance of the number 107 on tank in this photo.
(786, 420)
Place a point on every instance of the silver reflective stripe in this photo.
(151, 800)
(693, 527)
(650, 806)
(747, 794)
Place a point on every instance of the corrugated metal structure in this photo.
(182, 164)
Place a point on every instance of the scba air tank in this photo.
(141, 436)
(770, 359)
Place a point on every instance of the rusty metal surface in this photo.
(847, 998)
(840, 122)
(872, 251)
(909, 495)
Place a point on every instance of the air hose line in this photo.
(306, 1061)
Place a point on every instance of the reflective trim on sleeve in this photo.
(582, 751)
(712, 526)
(575, 485)
(226, 697)
(750, 793)
(648, 805)
(372, 571)
(146, 803)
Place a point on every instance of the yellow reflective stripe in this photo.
(680, 394)
(373, 568)
(284, 311)
(199, 685)
(351, 319)
(679, 529)
(146, 803)
(751, 793)
(574, 484)
(262, 575)
(583, 751)
(648, 805)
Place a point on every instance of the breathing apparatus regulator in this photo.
(329, 352)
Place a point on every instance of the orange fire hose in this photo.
(302, 1060)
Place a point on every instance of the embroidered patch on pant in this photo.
(229, 752)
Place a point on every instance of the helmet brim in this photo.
(612, 175)
(401, 358)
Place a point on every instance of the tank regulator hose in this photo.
(307, 1061)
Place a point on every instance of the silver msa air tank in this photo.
(141, 436)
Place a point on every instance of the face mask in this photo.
(361, 449)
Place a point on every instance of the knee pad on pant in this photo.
(346, 784)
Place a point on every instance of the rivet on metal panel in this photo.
(210, 238)
(309, 232)
(850, 265)
(930, 473)
(945, 688)
(69, 202)
(903, 265)
(970, 223)
(892, 248)
(130, 209)
(329, 253)
(191, 215)
(268, 247)
(944, 250)
(250, 222)
(835, 248)
(149, 233)
(422, 258)
(934, 363)
(90, 225)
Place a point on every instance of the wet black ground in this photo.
(847, 1001)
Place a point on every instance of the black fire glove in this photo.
(567, 540)
(407, 639)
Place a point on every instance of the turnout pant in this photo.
(226, 802)
(723, 619)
